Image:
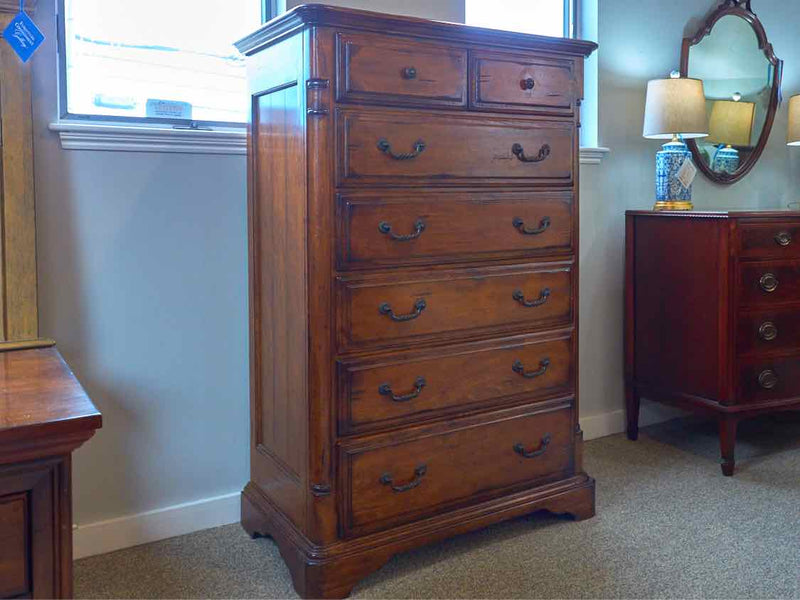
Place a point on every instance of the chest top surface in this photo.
(330, 16)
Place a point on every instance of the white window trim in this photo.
(141, 137)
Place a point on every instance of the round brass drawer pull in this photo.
(768, 282)
(784, 238)
(768, 379)
(409, 73)
(527, 83)
(768, 331)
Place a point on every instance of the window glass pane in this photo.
(122, 56)
(543, 17)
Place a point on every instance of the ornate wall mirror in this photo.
(742, 78)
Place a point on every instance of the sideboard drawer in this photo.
(388, 481)
(772, 379)
(766, 331)
(393, 309)
(523, 83)
(769, 239)
(416, 148)
(397, 389)
(382, 69)
(769, 283)
(390, 229)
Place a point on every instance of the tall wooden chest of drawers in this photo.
(713, 315)
(413, 213)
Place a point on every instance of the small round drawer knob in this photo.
(527, 84)
(768, 331)
(409, 73)
(768, 282)
(784, 238)
(768, 379)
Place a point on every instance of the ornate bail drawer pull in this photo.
(386, 229)
(518, 367)
(419, 306)
(419, 473)
(409, 73)
(768, 379)
(527, 83)
(519, 225)
(784, 238)
(519, 152)
(385, 147)
(386, 390)
(768, 331)
(768, 282)
(520, 448)
(520, 297)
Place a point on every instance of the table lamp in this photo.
(674, 107)
(731, 124)
(793, 135)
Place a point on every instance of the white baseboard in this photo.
(154, 525)
(610, 423)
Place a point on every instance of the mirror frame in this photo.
(741, 9)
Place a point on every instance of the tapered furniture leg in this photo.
(632, 406)
(727, 443)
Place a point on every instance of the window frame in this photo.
(268, 9)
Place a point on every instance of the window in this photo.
(162, 61)
(543, 17)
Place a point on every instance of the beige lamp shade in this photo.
(731, 123)
(675, 106)
(793, 136)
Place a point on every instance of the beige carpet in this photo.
(668, 525)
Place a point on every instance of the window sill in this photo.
(593, 156)
(113, 137)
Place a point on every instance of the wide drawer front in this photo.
(769, 283)
(523, 83)
(769, 379)
(393, 309)
(387, 481)
(397, 389)
(381, 69)
(769, 239)
(766, 331)
(416, 148)
(378, 229)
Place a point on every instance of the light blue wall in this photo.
(143, 284)
(641, 41)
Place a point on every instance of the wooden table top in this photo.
(42, 401)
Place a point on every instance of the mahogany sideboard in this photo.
(713, 315)
(44, 416)
(413, 226)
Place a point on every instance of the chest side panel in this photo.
(680, 293)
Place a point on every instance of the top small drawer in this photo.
(769, 239)
(388, 70)
(523, 83)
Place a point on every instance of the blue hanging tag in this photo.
(23, 35)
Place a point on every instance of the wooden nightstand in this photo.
(44, 416)
(713, 315)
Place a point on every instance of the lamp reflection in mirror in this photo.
(731, 124)
(793, 135)
(675, 108)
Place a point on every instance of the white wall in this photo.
(142, 265)
(143, 284)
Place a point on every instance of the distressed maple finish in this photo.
(44, 416)
(711, 325)
(413, 286)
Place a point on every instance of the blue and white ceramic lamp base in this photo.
(671, 194)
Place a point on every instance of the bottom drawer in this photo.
(769, 379)
(396, 478)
